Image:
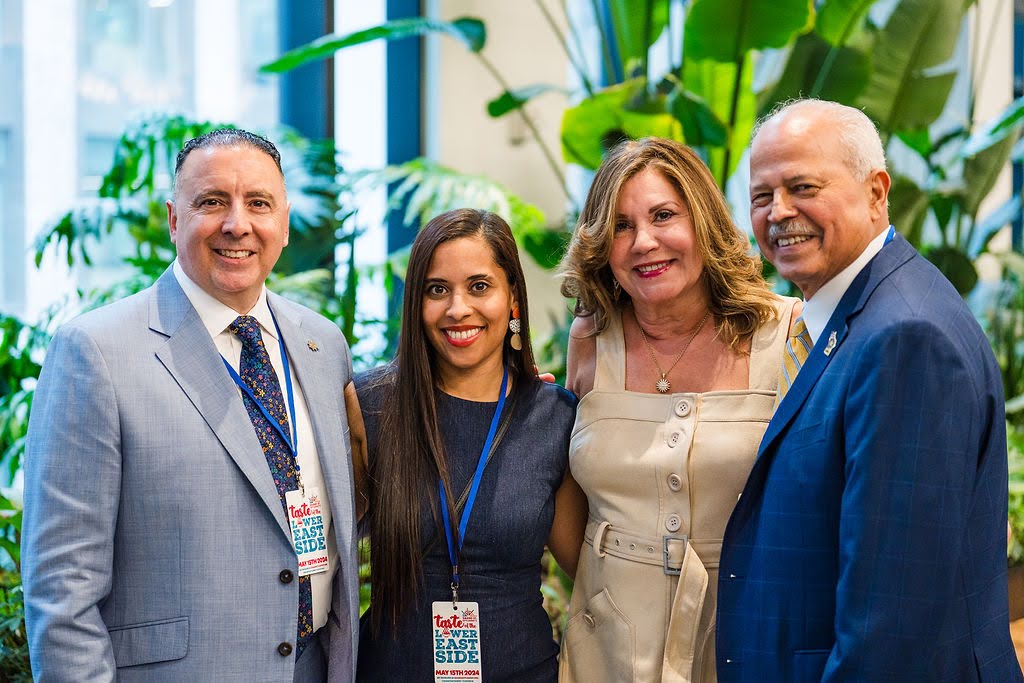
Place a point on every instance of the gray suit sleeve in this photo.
(72, 485)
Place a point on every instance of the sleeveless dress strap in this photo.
(610, 365)
(768, 345)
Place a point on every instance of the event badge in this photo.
(456, 635)
(306, 519)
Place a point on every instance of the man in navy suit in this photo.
(869, 543)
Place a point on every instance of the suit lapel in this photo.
(857, 294)
(192, 359)
(322, 399)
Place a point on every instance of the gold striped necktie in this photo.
(798, 347)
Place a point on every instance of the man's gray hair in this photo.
(225, 137)
(858, 135)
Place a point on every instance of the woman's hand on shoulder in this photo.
(357, 440)
(581, 356)
(798, 310)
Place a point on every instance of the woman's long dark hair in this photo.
(410, 455)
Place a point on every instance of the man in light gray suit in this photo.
(165, 447)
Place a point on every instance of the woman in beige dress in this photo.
(675, 353)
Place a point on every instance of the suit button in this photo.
(682, 408)
(286, 576)
(589, 618)
(673, 439)
(675, 482)
(284, 649)
(672, 523)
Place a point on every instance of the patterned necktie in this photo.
(258, 374)
(798, 347)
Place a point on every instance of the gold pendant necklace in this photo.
(663, 385)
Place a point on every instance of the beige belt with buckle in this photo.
(665, 551)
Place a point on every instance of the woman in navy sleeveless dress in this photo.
(427, 417)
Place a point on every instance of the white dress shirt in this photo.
(819, 308)
(216, 317)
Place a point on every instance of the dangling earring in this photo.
(616, 289)
(515, 326)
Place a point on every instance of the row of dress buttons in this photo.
(682, 409)
(675, 482)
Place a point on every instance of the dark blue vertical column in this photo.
(307, 93)
(307, 106)
(404, 105)
(404, 124)
(1018, 91)
(608, 29)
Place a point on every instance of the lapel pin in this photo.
(831, 343)
(314, 348)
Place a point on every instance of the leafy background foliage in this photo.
(728, 63)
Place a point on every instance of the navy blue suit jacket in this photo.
(869, 543)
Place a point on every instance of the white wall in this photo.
(360, 120)
(992, 24)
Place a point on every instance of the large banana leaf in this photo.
(848, 71)
(725, 31)
(1007, 123)
(986, 229)
(701, 126)
(727, 90)
(637, 25)
(596, 123)
(911, 79)
(469, 31)
(955, 265)
(838, 20)
(987, 152)
(981, 170)
(908, 207)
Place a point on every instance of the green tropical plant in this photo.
(1003, 321)
(422, 189)
(729, 62)
(962, 168)
(21, 345)
(1015, 452)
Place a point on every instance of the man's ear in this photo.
(172, 220)
(879, 183)
(287, 222)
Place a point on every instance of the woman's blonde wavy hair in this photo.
(738, 295)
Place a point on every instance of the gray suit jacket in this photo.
(153, 536)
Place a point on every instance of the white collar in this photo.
(216, 316)
(819, 308)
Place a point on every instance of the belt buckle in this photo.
(664, 554)
(599, 538)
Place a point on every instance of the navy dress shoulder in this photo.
(508, 528)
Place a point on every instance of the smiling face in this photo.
(654, 253)
(811, 216)
(467, 301)
(229, 221)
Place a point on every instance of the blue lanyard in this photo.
(293, 442)
(453, 553)
(892, 233)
